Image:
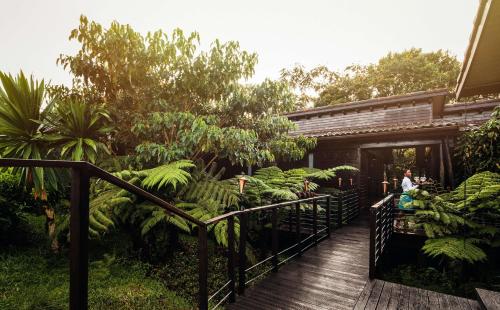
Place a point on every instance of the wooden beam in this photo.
(399, 144)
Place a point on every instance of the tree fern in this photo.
(205, 185)
(455, 248)
(170, 174)
(455, 222)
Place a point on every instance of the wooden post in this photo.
(79, 229)
(441, 165)
(340, 207)
(297, 227)
(230, 259)
(242, 253)
(274, 242)
(449, 163)
(315, 221)
(373, 229)
(328, 217)
(202, 268)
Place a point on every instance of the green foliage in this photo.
(394, 74)
(478, 149)
(169, 174)
(457, 221)
(272, 184)
(78, 128)
(131, 72)
(168, 136)
(455, 249)
(113, 283)
(23, 110)
(206, 184)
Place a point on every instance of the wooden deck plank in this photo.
(334, 275)
(375, 295)
(385, 296)
(404, 297)
(488, 299)
(394, 300)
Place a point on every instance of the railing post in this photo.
(79, 228)
(202, 268)
(274, 223)
(315, 221)
(373, 230)
(297, 227)
(230, 258)
(242, 253)
(340, 211)
(328, 218)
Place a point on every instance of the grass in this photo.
(31, 277)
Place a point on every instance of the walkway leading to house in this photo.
(330, 275)
(334, 275)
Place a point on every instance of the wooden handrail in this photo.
(79, 225)
(381, 229)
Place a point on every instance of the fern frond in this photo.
(170, 174)
(455, 248)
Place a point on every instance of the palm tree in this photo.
(32, 125)
(24, 107)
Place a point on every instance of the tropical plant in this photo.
(272, 184)
(478, 149)
(169, 136)
(458, 222)
(76, 129)
(24, 108)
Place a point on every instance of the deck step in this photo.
(488, 299)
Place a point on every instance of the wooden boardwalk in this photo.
(381, 295)
(334, 275)
(330, 275)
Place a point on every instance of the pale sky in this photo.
(335, 33)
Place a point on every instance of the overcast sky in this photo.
(335, 33)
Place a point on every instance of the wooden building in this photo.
(366, 133)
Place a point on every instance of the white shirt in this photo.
(407, 185)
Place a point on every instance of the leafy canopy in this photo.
(394, 74)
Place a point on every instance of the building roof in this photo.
(371, 103)
(480, 73)
(418, 112)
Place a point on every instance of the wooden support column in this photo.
(441, 165)
(79, 229)
(449, 163)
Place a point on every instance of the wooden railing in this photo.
(381, 230)
(306, 232)
(312, 220)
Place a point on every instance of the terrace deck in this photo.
(334, 275)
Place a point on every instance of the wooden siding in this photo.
(419, 112)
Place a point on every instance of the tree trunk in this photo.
(50, 222)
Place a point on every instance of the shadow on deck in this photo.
(334, 275)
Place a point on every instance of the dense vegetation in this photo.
(160, 113)
(400, 73)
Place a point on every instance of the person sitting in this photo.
(407, 185)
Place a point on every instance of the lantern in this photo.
(241, 182)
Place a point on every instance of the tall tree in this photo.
(130, 72)
(394, 74)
